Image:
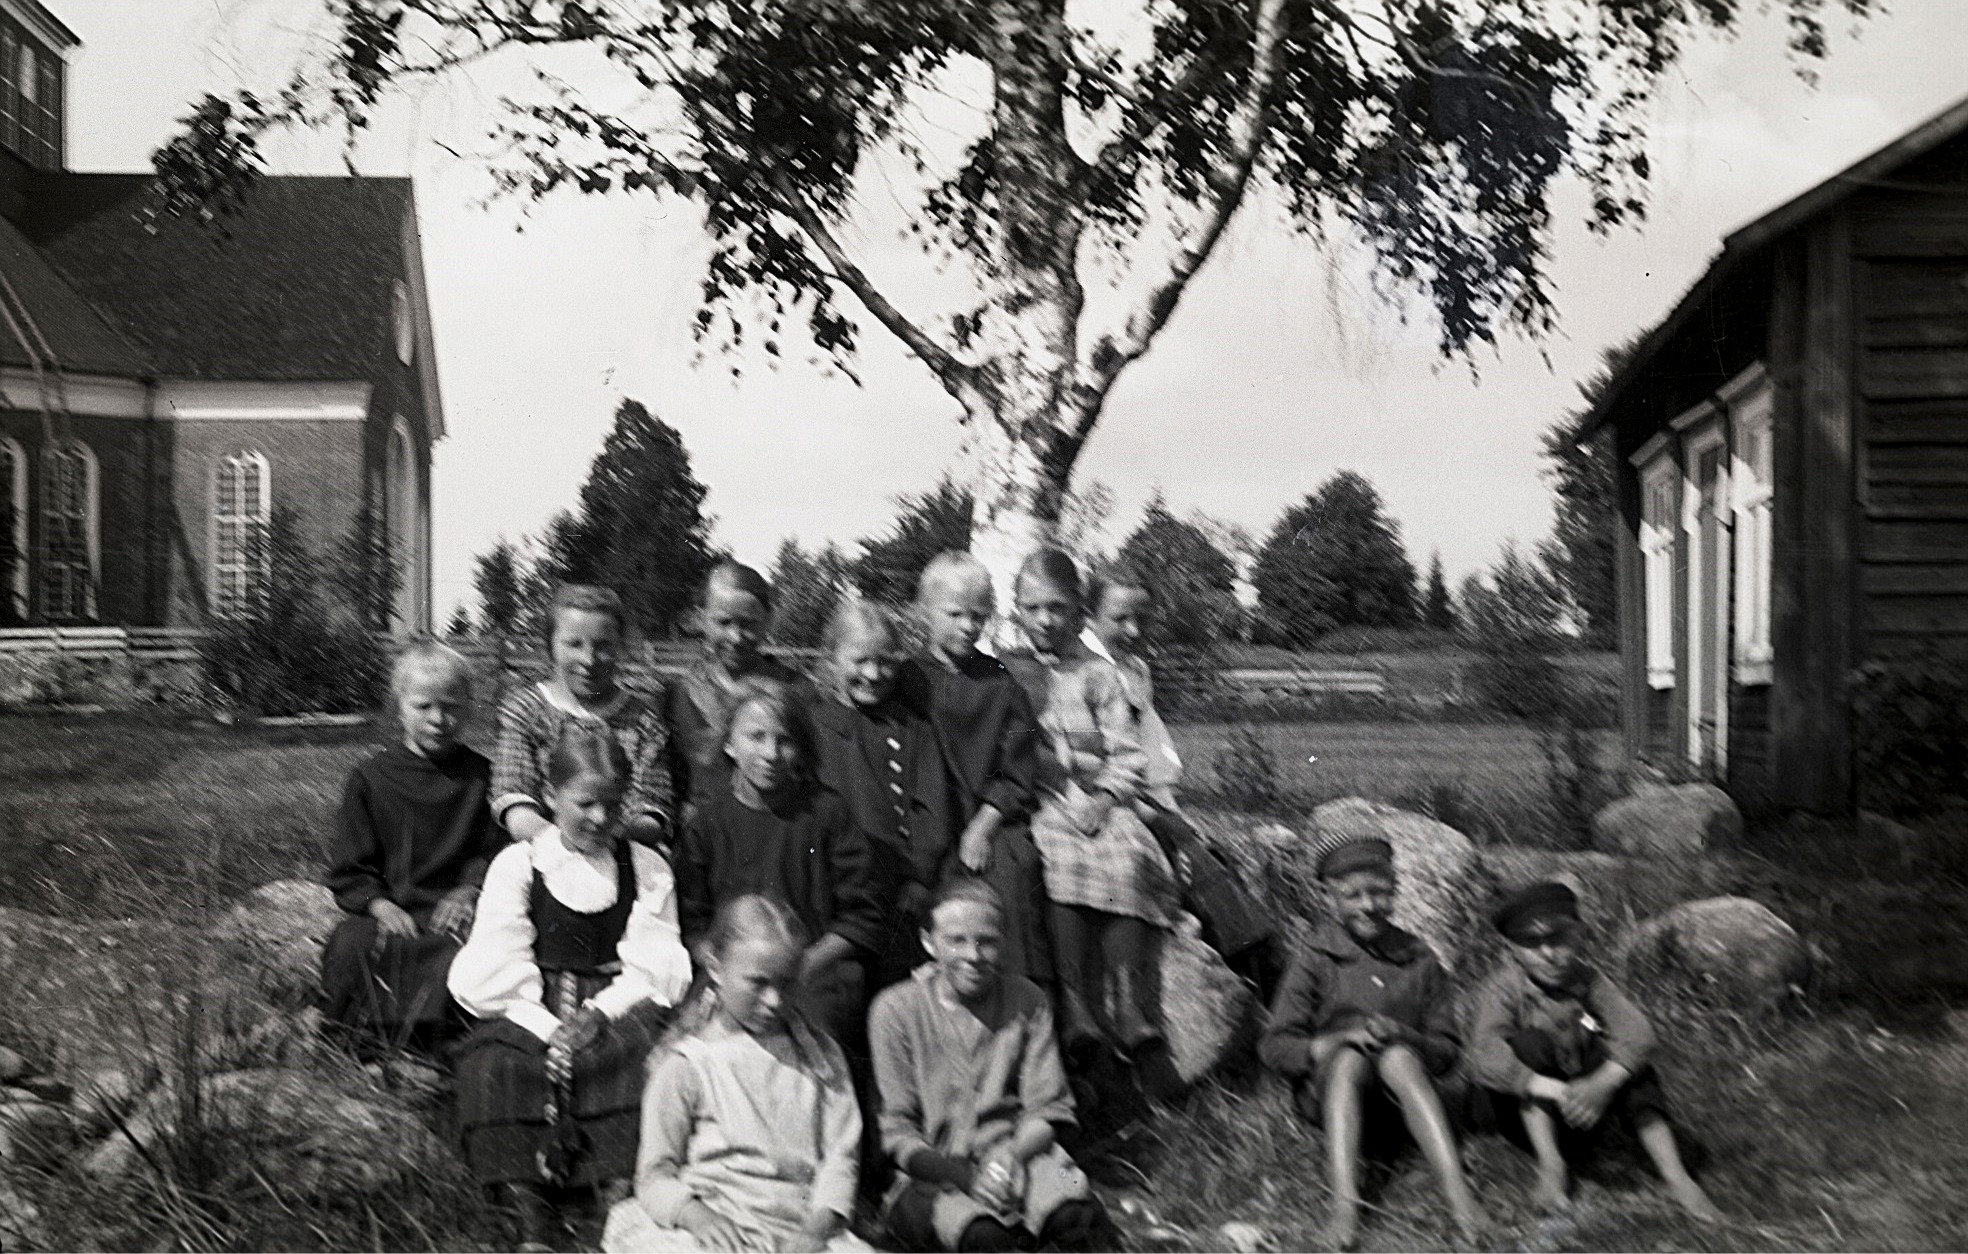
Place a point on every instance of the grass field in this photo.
(1840, 1131)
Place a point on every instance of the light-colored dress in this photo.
(530, 724)
(1092, 744)
(762, 1131)
(958, 1081)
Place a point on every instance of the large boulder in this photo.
(1206, 1007)
(279, 931)
(1444, 887)
(1728, 949)
(1667, 821)
(298, 1127)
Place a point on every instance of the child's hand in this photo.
(455, 912)
(974, 849)
(812, 1236)
(1584, 1101)
(1088, 811)
(712, 1230)
(1383, 1031)
(391, 920)
(646, 829)
(997, 1182)
(580, 1031)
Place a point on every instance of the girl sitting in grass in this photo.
(1564, 1058)
(773, 830)
(750, 1129)
(733, 611)
(572, 965)
(585, 645)
(974, 1097)
(1362, 1027)
(877, 750)
(411, 844)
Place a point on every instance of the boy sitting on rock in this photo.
(1361, 1027)
(1562, 1055)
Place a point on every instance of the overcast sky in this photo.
(1277, 370)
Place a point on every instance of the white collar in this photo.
(582, 881)
(578, 710)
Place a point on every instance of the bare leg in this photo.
(1346, 1075)
(1553, 1181)
(1657, 1138)
(1405, 1076)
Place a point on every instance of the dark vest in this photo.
(564, 939)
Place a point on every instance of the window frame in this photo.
(91, 526)
(1659, 475)
(1752, 499)
(221, 603)
(18, 587)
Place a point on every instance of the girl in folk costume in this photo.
(876, 749)
(411, 843)
(572, 965)
(750, 1130)
(732, 614)
(1122, 607)
(585, 645)
(772, 830)
(1110, 885)
(989, 733)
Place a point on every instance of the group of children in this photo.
(1559, 1059)
(744, 954)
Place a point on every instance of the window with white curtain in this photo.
(1659, 479)
(70, 523)
(242, 511)
(13, 529)
(1752, 496)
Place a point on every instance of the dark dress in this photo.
(695, 706)
(989, 734)
(886, 764)
(805, 851)
(511, 1113)
(410, 829)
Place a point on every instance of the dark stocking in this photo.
(1074, 941)
(987, 1234)
(1081, 1224)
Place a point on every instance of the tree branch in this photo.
(1229, 180)
(958, 378)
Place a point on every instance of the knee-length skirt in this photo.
(1119, 868)
(510, 1112)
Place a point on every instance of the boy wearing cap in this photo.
(1360, 1028)
(1563, 1055)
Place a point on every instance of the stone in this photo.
(1900, 843)
(294, 1126)
(12, 1065)
(1732, 949)
(1667, 821)
(414, 1082)
(280, 930)
(1246, 1238)
(1206, 1007)
(34, 1135)
(1444, 889)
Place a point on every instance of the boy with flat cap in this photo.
(1563, 1056)
(1361, 1029)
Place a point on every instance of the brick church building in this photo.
(164, 387)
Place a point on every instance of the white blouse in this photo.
(495, 973)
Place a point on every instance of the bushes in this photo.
(297, 648)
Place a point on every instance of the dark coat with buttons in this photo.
(1336, 981)
(887, 765)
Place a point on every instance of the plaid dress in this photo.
(1090, 743)
(530, 723)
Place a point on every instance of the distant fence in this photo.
(116, 665)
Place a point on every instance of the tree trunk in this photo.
(1015, 505)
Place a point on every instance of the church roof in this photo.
(297, 285)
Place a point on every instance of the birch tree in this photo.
(1113, 143)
